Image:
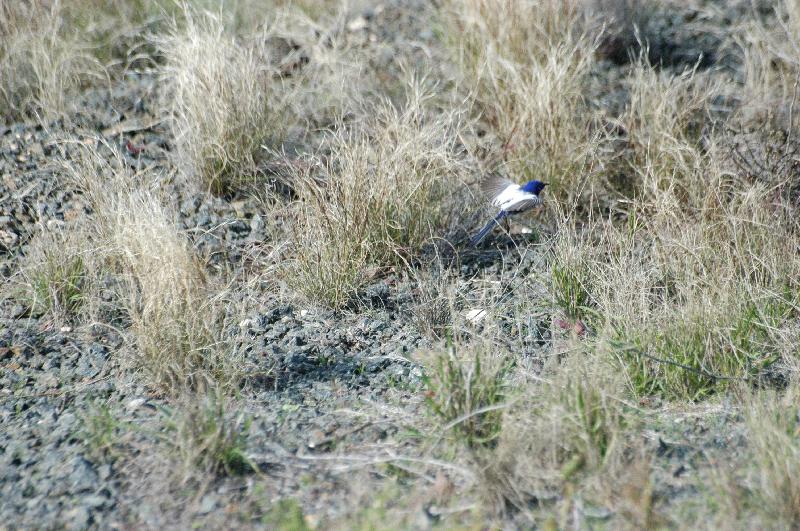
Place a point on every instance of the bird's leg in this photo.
(507, 225)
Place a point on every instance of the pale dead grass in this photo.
(438, 300)
(665, 121)
(235, 98)
(42, 62)
(701, 273)
(693, 293)
(570, 425)
(773, 430)
(57, 273)
(759, 489)
(770, 50)
(207, 436)
(529, 81)
(224, 102)
(715, 293)
(177, 313)
(387, 186)
(692, 282)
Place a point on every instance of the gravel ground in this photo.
(332, 397)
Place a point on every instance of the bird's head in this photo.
(534, 187)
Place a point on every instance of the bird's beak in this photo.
(546, 184)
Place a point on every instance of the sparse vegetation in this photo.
(101, 432)
(773, 429)
(437, 301)
(286, 515)
(56, 277)
(468, 392)
(208, 435)
(387, 187)
(565, 433)
(224, 107)
(42, 62)
(177, 313)
(529, 82)
(240, 291)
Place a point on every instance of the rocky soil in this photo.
(334, 400)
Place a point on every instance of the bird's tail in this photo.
(486, 228)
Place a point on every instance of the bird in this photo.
(511, 198)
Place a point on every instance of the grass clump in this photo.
(692, 291)
(58, 286)
(770, 54)
(568, 431)
(177, 312)
(773, 423)
(285, 515)
(570, 292)
(437, 300)
(387, 186)
(760, 489)
(224, 102)
(707, 352)
(527, 65)
(57, 276)
(208, 436)
(42, 62)
(595, 421)
(176, 315)
(468, 391)
(665, 121)
(570, 281)
(100, 431)
(689, 300)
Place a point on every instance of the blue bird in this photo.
(511, 198)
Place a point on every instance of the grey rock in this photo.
(83, 477)
(378, 294)
(239, 227)
(207, 504)
(104, 472)
(94, 501)
(257, 223)
(77, 518)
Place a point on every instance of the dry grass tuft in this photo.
(177, 313)
(626, 26)
(665, 121)
(773, 423)
(387, 186)
(697, 286)
(760, 490)
(466, 389)
(713, 294)
(437, 301)
(42, 61)
(57, 273)
(770, 50)
(529, 81)
(207, 436)
(224, 100)
(763, 140)
(571, 429)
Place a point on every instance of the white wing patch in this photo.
(515, 199)
(494, 186)
(507, 194)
